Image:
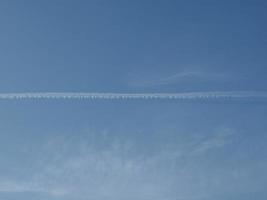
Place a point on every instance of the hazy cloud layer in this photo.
(79, 168)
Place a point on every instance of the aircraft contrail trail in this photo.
(110, 96)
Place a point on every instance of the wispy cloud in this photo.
(78, 169)
(219, 139)
(188, 76)
(14, 186)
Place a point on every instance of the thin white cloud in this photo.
(218, 140)
(9, 186)
(178, 78)
(111, 96)
(76, 169)
(32, 187)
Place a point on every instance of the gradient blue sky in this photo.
(136, 149)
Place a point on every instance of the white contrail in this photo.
(88, 95)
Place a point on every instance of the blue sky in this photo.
(133, 149)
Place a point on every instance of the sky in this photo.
(133, 149)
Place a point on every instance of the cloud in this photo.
(28, 187)
(186, 76)
(112, 168)
(9, 186)
(218, 140)
(111, 96)
(109, 172)
(75, 169)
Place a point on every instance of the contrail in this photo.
(178, 96)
